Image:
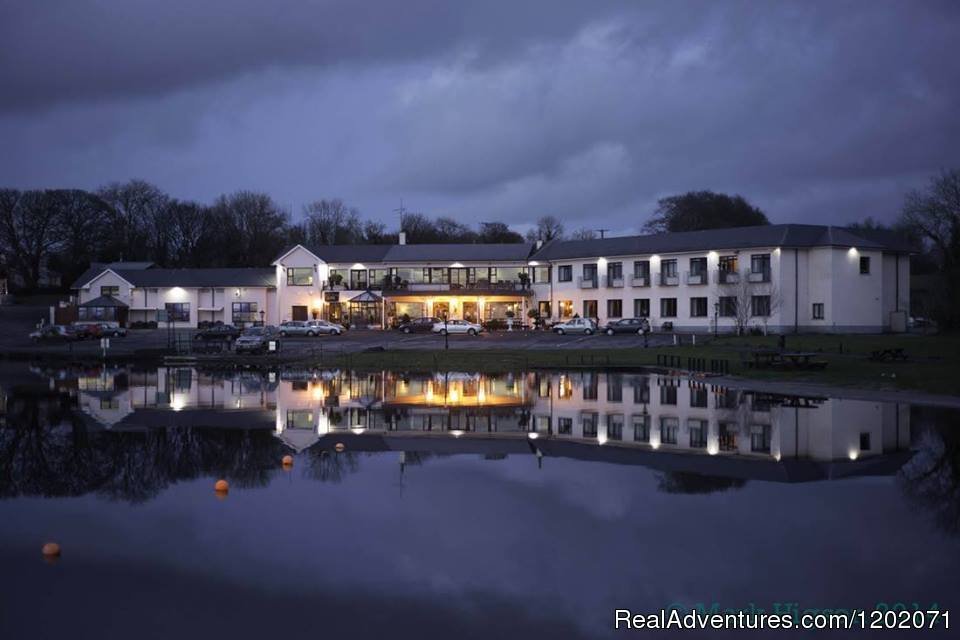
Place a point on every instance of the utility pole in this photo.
(401, 210)
(602, 232)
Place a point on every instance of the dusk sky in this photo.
(820, 112)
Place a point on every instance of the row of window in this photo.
(396, 276)
(760, 306)
(760, 434)
(242, 311)
(759, 264)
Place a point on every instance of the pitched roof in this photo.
(389, 253)
(96, 268)
(104, 301)
(774, 235)
(221, 277)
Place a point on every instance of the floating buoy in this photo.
(288, 461)
(222, 486)
(51, 550)
(340, 447)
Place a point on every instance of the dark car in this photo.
(257, 339)
(627, 325)
(418, 325)
(223, 332)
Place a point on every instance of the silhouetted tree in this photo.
(697, 210)
(498, 232)
(548, 228)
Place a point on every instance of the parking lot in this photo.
(14, 339)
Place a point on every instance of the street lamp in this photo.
(446, 334)
(262, 314)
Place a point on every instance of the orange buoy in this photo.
(51, 550)
(340, 447)
(222, 486)
(288, 461)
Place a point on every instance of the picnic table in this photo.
(768, 358)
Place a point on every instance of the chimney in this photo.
(403, 238)
(539, 244)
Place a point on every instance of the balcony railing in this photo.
(587, 283)
(615, 282)
(727, 277)
(759, 276)
(669, 280)
(514, 286)
(640, 281)
(696, 277)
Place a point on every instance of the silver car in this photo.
(296, 328)
(321, 327)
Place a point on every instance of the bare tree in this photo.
(140, 223)
(252, 228)
(332, 222)
(31, 231)
(741, 295)
(583, 234)
(548, 228)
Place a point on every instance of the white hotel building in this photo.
(781, 278)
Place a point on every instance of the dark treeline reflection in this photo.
(65, 458)
(681, 482)
(931, 479)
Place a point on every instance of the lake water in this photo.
(524, 504)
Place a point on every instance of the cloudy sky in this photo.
(489, 110)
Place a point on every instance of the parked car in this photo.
(224, 332)
(627, 325)
(321, 327)
(585, 326)
(457, 326)
(418, 325)
(54, 333)
(87, 329)
(297, 328)
(256, 339)
(112, 329)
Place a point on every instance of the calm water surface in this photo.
(515, 505)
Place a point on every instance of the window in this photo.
(178, 311)
(589, 308)
(244, 311)
(440, 275)
(818, 311)
(865, 441)
(668, 394)
(565, 426)
(589, 423)
(301, 276)
(698, 397)
(668, 268)
(565, 273)
(566, 308)
(110, 291)
(728, 436)
(760, 264)
(698, 433)
(590, 387)
(864, 264)
(668, 430)
(590, 271)
(641, 269)
(760, 438)
(698, 266)
(728, 306)
(541, 274)
(615, 270)
(615, 426)
(614, 308)
(641, 308)
(728, 264)
(641, 391)
(760, 305)
(358, 278)
(543, 308)
(641, 428)
(668, 307)
(698, 307)
(614, 388)
(492, 275)
(379, 278)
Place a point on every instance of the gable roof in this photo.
(774, 235)
(390, 253)
(105, 301)
(96, 268)
(221, 277)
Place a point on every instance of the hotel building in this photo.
(780, 278)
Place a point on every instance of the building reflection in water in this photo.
(658, 415)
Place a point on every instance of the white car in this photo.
(457, 326)
(586, 326)
(323, 326)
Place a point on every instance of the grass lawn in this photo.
(933, 365)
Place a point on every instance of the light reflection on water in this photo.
(638, 490)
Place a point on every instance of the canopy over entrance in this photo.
(104, 308)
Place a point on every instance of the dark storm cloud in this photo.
(818, 112)
(63, 50)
